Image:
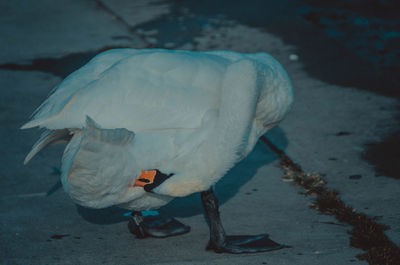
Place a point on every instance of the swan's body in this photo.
(193, 114)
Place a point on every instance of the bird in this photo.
(144, 126)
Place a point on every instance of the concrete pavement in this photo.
(326, 132)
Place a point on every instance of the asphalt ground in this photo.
(343, 127)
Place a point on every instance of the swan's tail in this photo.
(47, 138)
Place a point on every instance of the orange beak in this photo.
(146, 177)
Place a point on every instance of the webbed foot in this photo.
(245, 244)
(220, 242)
(155, 226)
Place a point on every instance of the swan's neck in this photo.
(239, 97)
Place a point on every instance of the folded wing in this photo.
(136, 90)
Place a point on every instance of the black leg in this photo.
(217, 232)
(220, 242)
(136, 225)
(155, 226)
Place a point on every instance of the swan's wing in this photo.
(48, 137)
(145, 90)
(76, 81)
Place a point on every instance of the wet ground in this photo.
(335, 52)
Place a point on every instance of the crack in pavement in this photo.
(67, 64)
(119, 18)
(366, 233)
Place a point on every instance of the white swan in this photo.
(190, 115)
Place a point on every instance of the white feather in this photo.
(48, 137)
(194, 114)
